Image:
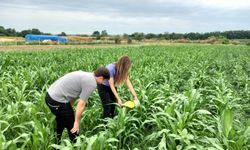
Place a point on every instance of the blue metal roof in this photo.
(32, 37)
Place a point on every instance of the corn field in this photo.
(192, 97)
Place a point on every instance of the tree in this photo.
(97, 35)
(24, 32)
(10, 32)
(104, 33)
(2, 31)
(35, 31)
(150, 36)
(117, 39)
(138, 36)
(62, 34)
(125, 36)
(129, 41)
(176, 36)
(166, 36)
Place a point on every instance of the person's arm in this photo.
(130, 86)
(79, 109)
(112, 86)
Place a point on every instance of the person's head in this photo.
(101, 74)
(122, 67)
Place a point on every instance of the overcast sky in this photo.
(125, 16)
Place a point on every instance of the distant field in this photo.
(88, 40)
(192, 97)
(243, 40)
(10, 39)
(9, 48)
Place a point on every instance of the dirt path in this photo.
(59, 47)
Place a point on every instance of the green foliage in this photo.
(129, 41)
(118, 40)
(62, 34)
(218, 40)
(192, 97)
(104, 33)
(137, 36)
(225, 41)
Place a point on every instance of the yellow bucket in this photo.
(129, 104)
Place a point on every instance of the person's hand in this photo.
(75, 128)
(137, 103)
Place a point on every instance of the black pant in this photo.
(107, 98)
(65, 117)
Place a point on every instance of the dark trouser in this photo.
(65, 117)
(107, 98)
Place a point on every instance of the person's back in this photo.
(78, 84)
(72, 86)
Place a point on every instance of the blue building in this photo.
(32, 37)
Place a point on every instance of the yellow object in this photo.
(129, 104)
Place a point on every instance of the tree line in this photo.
(13, 32)
(239, 34)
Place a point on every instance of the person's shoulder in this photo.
(87, 76)
(85, 72)
(77, 71)
(81, 73)
(112, 65)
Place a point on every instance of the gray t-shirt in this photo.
(74, 85)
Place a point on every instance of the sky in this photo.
(125, 16)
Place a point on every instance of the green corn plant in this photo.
(192, 96)
(227, 121)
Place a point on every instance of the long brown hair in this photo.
(122, 67)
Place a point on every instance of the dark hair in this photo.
(102, 71)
